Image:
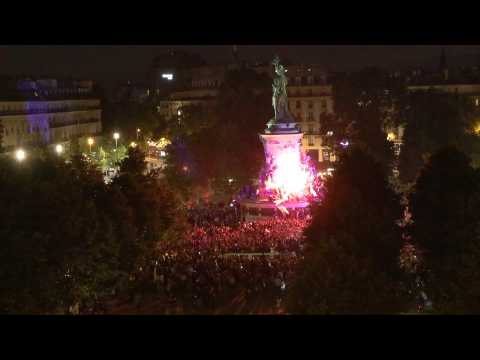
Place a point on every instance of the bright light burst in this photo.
(290, 177)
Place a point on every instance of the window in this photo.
(298, 80)
(310, 116)
(310, 80)
(311, 140)
(476, 102)
(310, 128)
(310, 104)
(326, 155)
(299, 105)
(324, 104)
(299, 117)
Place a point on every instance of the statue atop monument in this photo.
(280, 97)
(283, 121)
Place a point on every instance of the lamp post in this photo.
(116, 136)
(138, 132)
(90, 142)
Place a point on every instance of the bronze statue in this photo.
(280, 98)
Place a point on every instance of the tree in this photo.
(353, 245)
(445, 205)
(134, 162)
(154, 206)
(365, 104)
(434, 120)
(223, 144)
(57, 249)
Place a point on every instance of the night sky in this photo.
(111, 64)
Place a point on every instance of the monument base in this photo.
(257, 210)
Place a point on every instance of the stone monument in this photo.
(288, 182)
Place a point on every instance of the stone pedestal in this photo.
(273, 144)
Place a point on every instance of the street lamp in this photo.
(138, 133)
(90, 142)
(116, 136)
(59, 149)
(20, 155)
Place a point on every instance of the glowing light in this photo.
(179, 112)
(90, 141)
(185, 168)
(161, 144)
(290, 178)
(133, 144)
(344, 143)
(477, 129)
(20, 155)
(116, 136)
(59, 149)
(163, 153)
(230, 180)
(138, 130)
(167, 76)
(391, 136)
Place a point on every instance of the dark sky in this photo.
(108, 64)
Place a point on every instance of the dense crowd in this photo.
(216, 264)
(214, 214)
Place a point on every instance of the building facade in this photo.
(310, 105)
(310, 99)
(37, 114)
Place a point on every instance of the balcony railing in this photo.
(57, 124)
(47, 111)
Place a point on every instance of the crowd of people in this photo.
(214, 214)
(216, 264)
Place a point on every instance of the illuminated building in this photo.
(42, 112)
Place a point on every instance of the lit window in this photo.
(476, 102)
(167, 76)
(326, 156)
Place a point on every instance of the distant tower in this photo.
(443, 65)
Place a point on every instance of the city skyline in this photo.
(111, 64)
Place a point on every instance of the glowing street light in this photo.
(133, 144)
(59, 149)
(138, 132)
(90, 142)
(116, 136)
(20, 155)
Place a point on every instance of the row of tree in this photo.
(353, 264)
(370, 101)
(68, 240)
